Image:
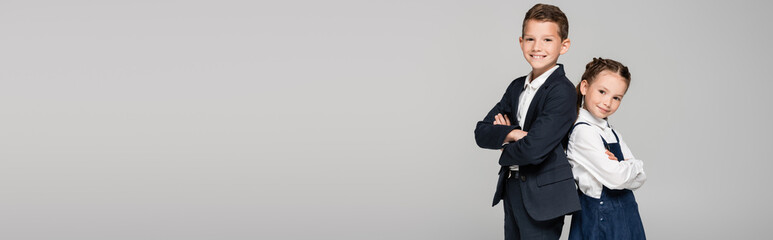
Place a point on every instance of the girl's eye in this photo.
(616, 98)
(602, 91)
(548, 40)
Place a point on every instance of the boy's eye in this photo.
(602, 91)
(548, 40)
(529, 39)
(616, 98)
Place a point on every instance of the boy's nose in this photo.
(536, 47)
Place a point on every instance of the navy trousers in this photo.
(518, 223)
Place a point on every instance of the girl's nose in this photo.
(608, 102)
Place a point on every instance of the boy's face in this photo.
(604, 95)
(541, 45)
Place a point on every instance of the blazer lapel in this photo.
(516, 99)
(531, 114)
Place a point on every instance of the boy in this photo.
(535, 180)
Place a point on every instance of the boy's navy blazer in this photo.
(547, 182)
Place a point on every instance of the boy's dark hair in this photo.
(598, 65)
(548, 13)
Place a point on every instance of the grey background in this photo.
(354, 119)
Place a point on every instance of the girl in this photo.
(604, 168)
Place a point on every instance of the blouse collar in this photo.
(586, 116)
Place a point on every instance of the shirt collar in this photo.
(534, 85)
(586, 116)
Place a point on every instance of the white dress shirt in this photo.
(524, 100)
(591, 166)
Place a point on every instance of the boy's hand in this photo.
(500, 119)
(514, 135)
(611, 155)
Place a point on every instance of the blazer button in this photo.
(523, 178)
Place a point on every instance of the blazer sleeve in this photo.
(488, 135)
(547, 131)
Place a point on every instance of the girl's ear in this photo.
(584, 87)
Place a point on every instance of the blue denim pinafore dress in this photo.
(614, 216)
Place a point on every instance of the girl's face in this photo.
(603, 96)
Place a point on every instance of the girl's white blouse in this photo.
(591, 166)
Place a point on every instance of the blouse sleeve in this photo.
(641, 177)
(587, 149)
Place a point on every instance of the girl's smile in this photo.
(604, 95)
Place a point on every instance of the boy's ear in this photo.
(520, 41)
(565, 45)
(584, 87)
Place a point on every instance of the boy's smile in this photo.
(541, 45)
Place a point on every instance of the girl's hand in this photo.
(611, 155)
